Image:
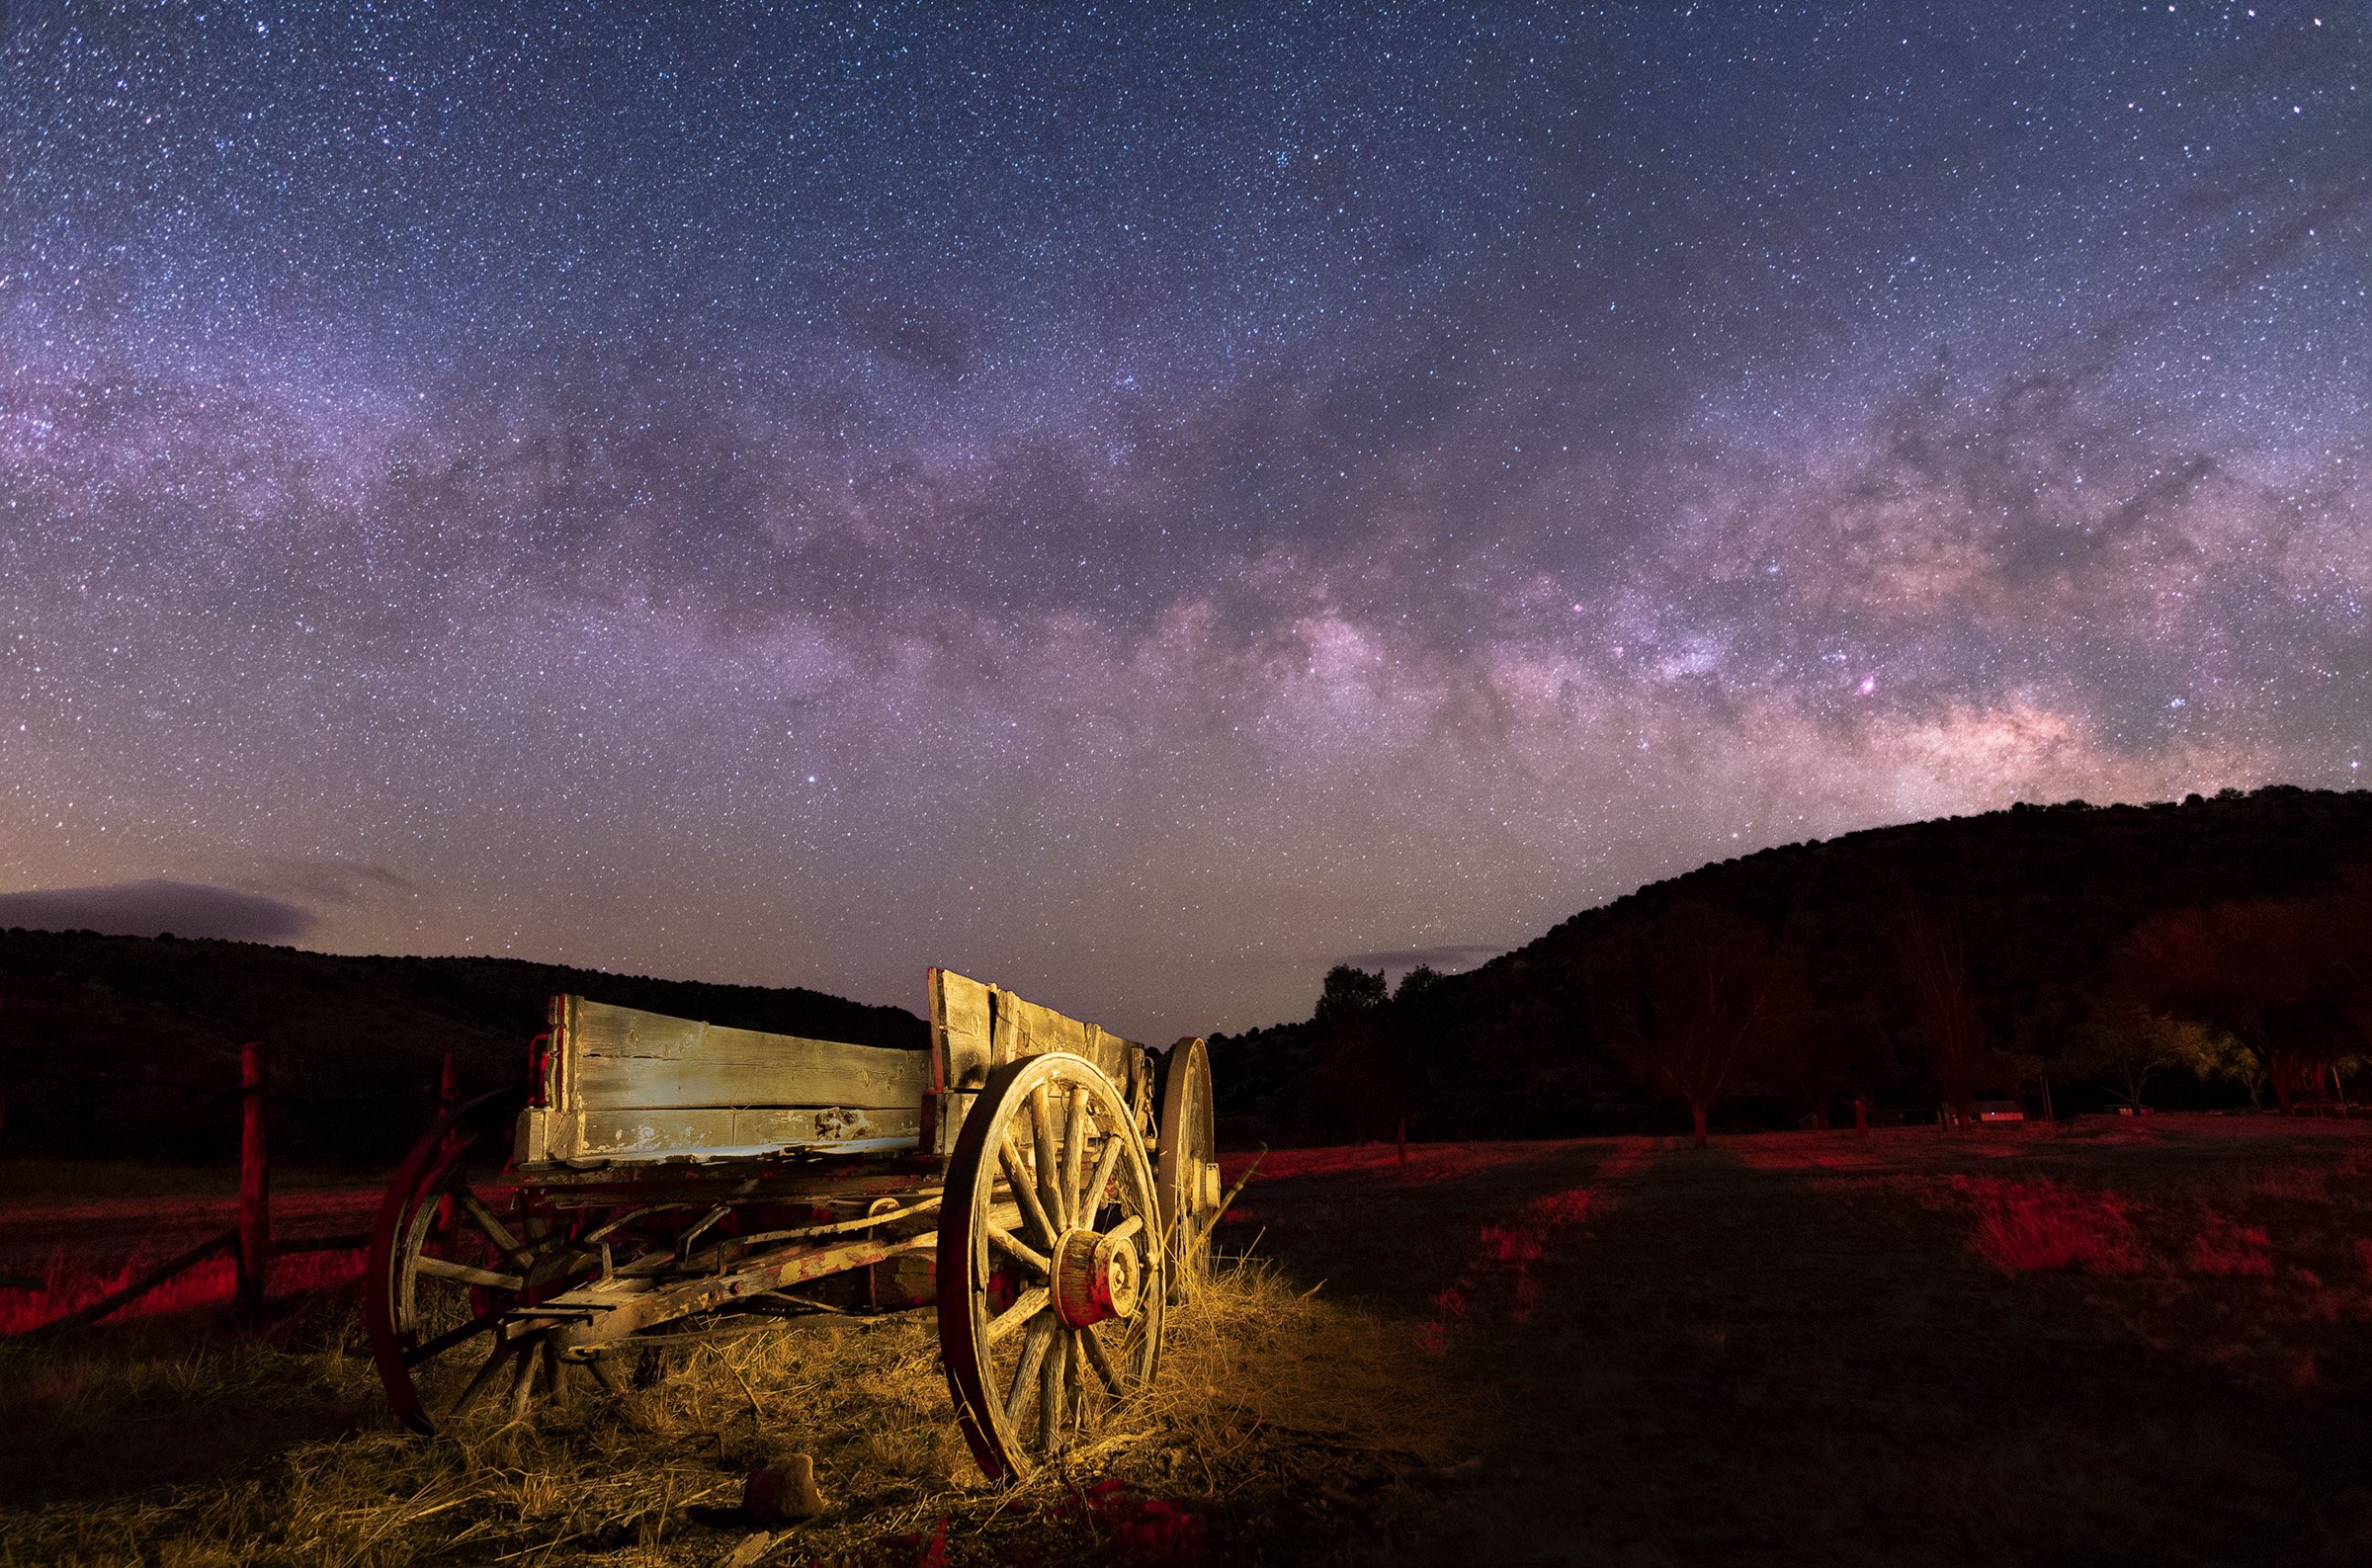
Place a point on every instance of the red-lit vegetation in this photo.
(68, 1282)
(2042, 1225)
(1702, 1005)
(62, 1249)
(2122, 1339)
(2289, 980)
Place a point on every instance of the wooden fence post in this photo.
(255, 1185)
(449, 1095)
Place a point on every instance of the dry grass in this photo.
(173, 1448)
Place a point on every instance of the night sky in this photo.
(1145, 505)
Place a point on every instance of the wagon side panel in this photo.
(626, 1084)
(976, 1026)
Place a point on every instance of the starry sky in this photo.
(1143, 503)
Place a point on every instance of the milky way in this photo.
(1143, 506)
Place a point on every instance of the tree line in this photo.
(2208, 950)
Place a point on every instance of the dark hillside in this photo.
(119, 1047)
(2038, 898)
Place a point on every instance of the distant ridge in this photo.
(2038, 897)
(110, 1044)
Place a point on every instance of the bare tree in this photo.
(1945, 1007)
(1692, 1003)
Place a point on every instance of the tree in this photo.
(1692, 1001)
(1349, 990)
(1351, 1088)
(2128, 1045)
(1944, 1013)
(1412, 1039)
(1416, 983)
(2347, 916)
(2236, 1064)
(2274, 974)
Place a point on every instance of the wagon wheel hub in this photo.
(1096, 1278)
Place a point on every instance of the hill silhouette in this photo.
(123, 1046)
(2040, 900)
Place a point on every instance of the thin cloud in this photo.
(156, 906)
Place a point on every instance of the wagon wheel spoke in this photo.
(501, 1353)
(1101, 1359)
(429, 1350)
(466, 1274)
(1049, 1392)
(1004, 1242)
(1025, 1376)
(495, 1231)
(522, 1387)
(1032, 1303)
(1025, 1193)
(1074, 1373)
(1074, 1153)
(1127, 1228)
(1041, 1137)
(1092, 1199)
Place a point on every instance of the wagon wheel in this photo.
(1186, 1162)
(451, 1253)
(1051, 1289)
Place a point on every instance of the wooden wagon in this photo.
(669, 1180)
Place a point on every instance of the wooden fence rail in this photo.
(249, 1241)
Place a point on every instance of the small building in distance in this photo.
(1983, 1113)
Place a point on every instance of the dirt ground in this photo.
(2124, 1341)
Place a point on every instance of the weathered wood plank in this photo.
(713, 1133)
(620, 1057)
(961, 1023)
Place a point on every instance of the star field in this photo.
(1142, 504)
